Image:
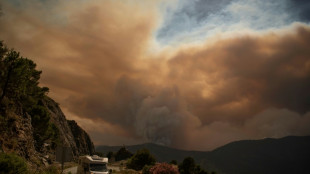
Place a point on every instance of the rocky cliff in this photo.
(71, 134)
(17, 134)
(32, 125)
(81, 138)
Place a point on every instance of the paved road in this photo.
(73, 170)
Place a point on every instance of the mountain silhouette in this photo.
(267, 156)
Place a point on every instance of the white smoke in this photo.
(160, 117)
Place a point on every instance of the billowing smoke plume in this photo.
(101, 64)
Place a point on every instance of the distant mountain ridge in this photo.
(268, 156)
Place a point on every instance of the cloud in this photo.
(200, 19)
(303, 9)
(96, 59)
(271, 123)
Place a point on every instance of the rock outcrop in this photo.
(59, 119)
(32, 125)
(17, 135)
(81, 138)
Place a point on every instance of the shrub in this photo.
(146, 169)
(163, 168)
(140, 159)
(51, 170)
(199, 170)
(11, 164)
(122, 154)
(188, 166)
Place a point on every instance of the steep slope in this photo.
(81, 138)
(32, 125)
(17, 135)
(285, 155)
(70, 133)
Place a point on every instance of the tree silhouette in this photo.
(187, 166)
(19, 78)
(140, 159)
(122, 154)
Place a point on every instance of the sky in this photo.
(189, 74)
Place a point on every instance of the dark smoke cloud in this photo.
(98, 67)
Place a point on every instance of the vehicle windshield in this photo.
(98, 167)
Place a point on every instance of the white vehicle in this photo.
(92, 165)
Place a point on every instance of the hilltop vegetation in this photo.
(21, 94)
(143, 161)
(32, 125)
